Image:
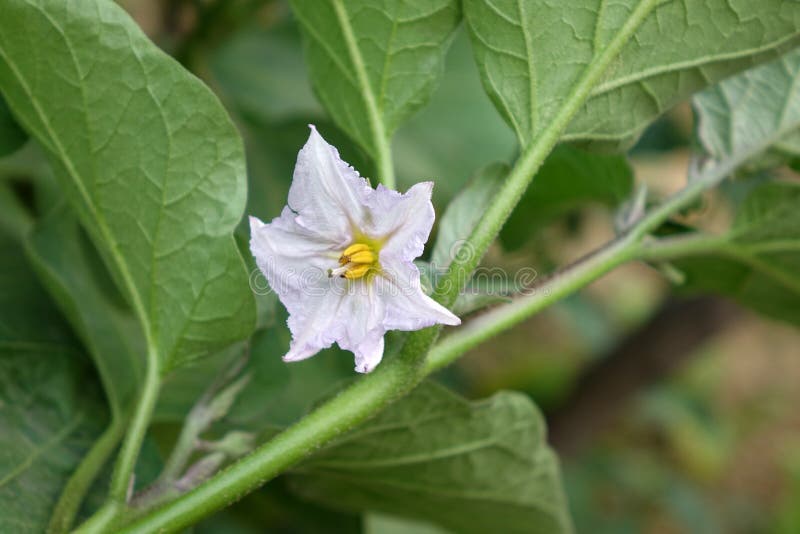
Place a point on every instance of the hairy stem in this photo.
(354, 405)
(81, 480)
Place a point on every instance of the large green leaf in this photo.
(471, 467)
(75, 276)
(533, 52)
(50, 407)
(148, 158)
(374, 63)
(758, 262)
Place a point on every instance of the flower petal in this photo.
(362, 313)
(369, 354)
(407, 306)
(315, 325)
(405, 220)
(326, 193)
(293, 259)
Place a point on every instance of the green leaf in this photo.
(532, 53)
(69, 266)
(758, 108)
(758, 262)
(148, 158)
(372, 65)
(12, 137)
(471, 467)
(569, 179)
(464, 212)
(49, 417)
(50, 407)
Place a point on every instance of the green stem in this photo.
(363, 399)
(385, 165)
(126, 461)
(670, 248)
(81, 480)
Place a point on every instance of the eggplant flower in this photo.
(341, 258)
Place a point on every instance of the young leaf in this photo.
(758, 264)
(373, 64)
(70, 268)
(532, 53)
(758, 108)
(471, 467)
(148, 158)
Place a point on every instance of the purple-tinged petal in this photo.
(327, 194)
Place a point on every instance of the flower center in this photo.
(356, 261)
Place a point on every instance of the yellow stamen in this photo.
(356, 261)
(355, 247)
(357, 271)
(363, 257)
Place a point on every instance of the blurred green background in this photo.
(695, 428)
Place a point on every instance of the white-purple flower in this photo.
(341, 258)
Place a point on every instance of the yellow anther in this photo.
(356, 261)
(351, 250)
(363, 257)
(355, 247)
(357, 271)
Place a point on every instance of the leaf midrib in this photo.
(374, 116)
